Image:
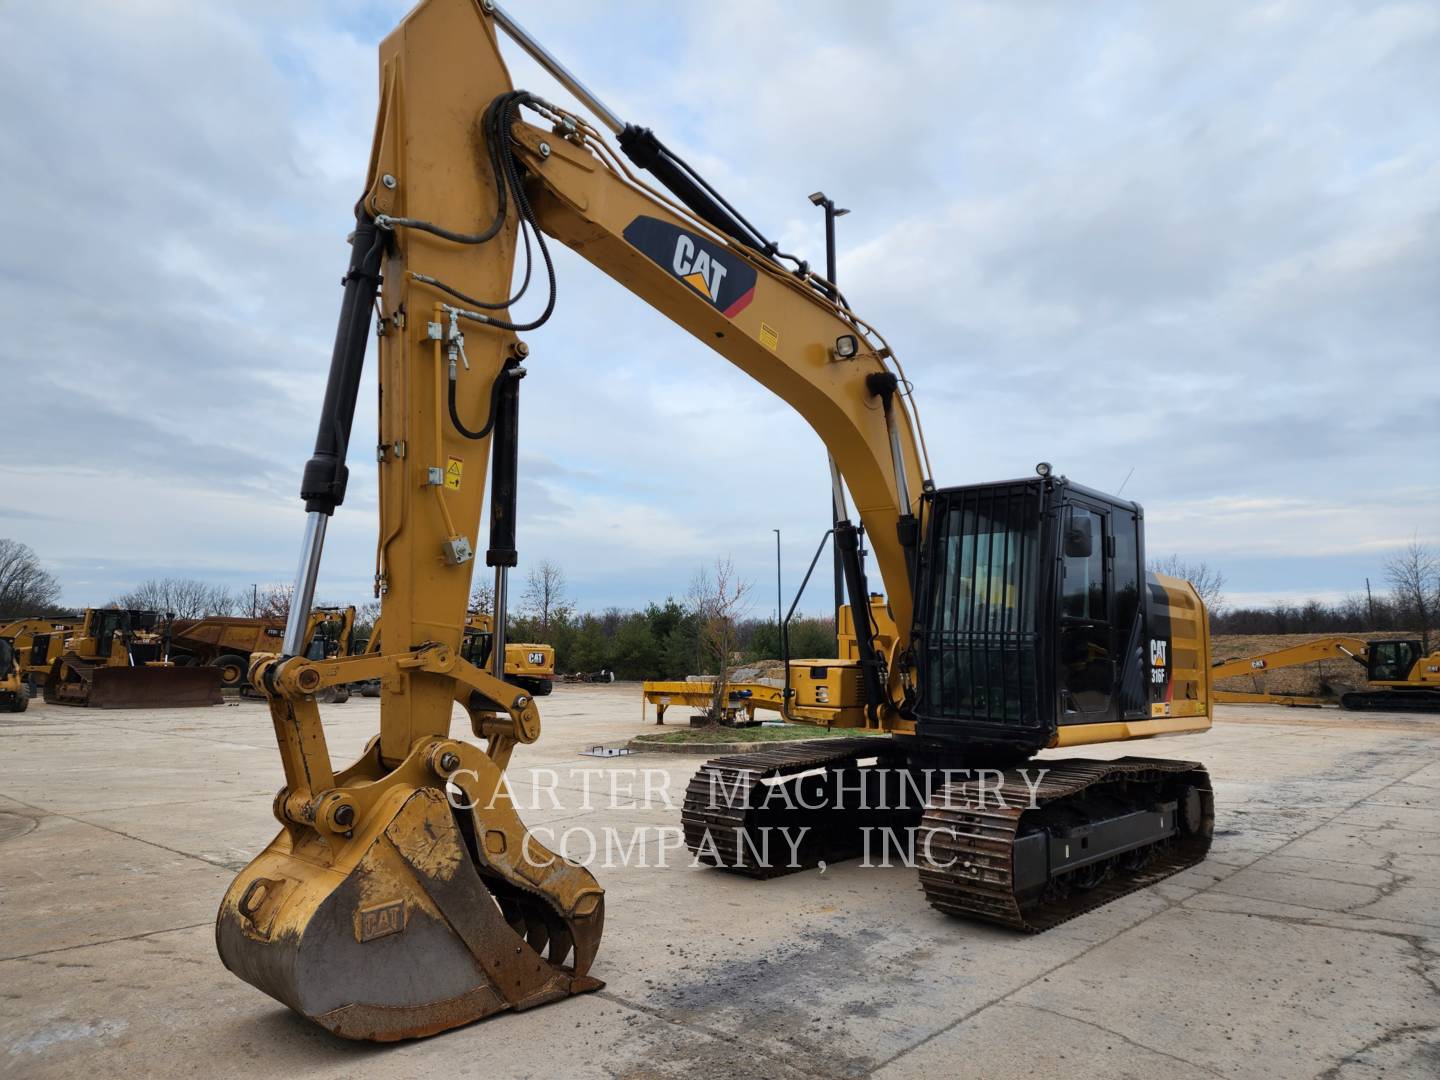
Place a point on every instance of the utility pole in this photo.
(1369, 606)
(254, 601)
(837, 492)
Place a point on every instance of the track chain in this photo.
(732, 813)
(971, 869)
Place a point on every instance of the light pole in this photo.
(779, 592)
(837, 493)
(820, 199)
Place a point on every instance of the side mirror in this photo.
(1079, 540)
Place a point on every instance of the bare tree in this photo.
(1208, 582)
(274, 601)
(26, 587)
(1414, 577)
(718, 603)
(185, 598)
(366, 616)
(482, 597)
(547, 598)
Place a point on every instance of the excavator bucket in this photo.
(100, 687)
(426, 917)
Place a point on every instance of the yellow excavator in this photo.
(403, 895)
(528, 664)
(1398, 673)
(118, 658)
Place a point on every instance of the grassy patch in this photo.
(717, 734)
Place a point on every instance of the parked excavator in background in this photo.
(403, 895)
(527, 664)
(227, 642)
(1399, 674)
(118, 658)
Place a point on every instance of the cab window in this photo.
(1083, 543)
(1392, 660)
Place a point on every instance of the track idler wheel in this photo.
(426, 918)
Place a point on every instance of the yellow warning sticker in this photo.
(769, 337)
(453, 469)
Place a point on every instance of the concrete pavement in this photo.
(1305, 946)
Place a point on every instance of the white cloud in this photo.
(1199, 241)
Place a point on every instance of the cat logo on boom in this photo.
(696, 268)
(721, 277)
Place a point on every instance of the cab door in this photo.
(1086, 658)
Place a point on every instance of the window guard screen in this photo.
(979, 650)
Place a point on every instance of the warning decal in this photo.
(453, 468)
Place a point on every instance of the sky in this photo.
(1192, 249)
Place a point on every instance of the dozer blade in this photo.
(425, 919)
(154, 687)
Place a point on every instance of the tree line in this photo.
(1408, 602)
(711, 625)
(670, 640)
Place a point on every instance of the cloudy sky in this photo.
(1192, 244)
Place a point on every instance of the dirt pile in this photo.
(760, 669)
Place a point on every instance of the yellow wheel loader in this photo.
(38, 643)
(118, 658)
(403, 895)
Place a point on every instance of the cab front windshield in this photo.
(981, 620)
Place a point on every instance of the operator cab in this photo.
(330, 638)
(475, 646)
(128, 623)
(1034, 612)
(1391, 661)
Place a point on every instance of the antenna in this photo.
(1126, 480)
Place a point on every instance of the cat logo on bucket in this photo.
(706, 266)
(380, 920)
